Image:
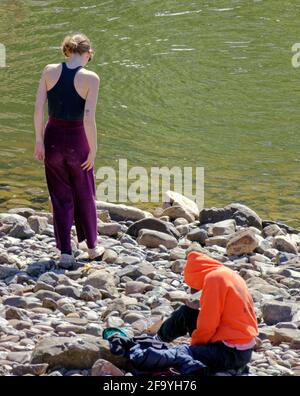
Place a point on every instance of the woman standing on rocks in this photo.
(68, 145)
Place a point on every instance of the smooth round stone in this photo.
(263, 365)
(94, 329)
(293, 354)
(114, 321)
(27, 342)
(285, 363)
(284, 346)
(67, 308)
(271, 353)
(277, 350)
(79, 306)
(68, 327)
(92, 305)
(55, 374)
(133, 317)
(287, 356)
(262, 374)
(273, 372)
(44, 328)
(91, 315)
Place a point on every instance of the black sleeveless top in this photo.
(63, 100)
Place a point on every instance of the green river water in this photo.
(187, 83)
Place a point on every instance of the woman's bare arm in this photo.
(41, 96)
(89, 119)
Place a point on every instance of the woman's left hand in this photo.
(39, 151)
(89, 162)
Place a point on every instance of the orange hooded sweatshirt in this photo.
(226, 306)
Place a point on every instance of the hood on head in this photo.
(197, 266)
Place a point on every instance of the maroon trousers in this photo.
(72, 189)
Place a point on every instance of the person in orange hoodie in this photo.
(224, 330)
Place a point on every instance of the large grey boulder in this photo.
(277, 311)
(284, 244)
(109, 229)
(287, 335)
(242, 242)
(37, 268)
(176, 206)
(73, 352)
(289, 229)
(122, 212)
(225, 227)
(25, 212)
(15, 226)
(261, 285)
(102, 279)
(243, 215)
(38, 224)
(152, 239)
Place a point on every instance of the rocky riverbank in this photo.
(51, 319)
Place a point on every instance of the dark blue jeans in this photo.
(216, 356)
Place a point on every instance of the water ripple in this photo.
(169, 13)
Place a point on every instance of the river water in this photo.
(183, 83)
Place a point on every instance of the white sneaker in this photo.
(96, 252)
(66, 261)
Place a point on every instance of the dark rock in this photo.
(152, 224)
(284, 244)
(198, 235)
(289, 229)
(42, 294)
(15, 313)
(276, 311)
(39, 267)
(49, 303)
(51, 278)
(17, 302)
(68, 291)
(243, 215)
(7, 271)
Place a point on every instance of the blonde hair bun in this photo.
(76, 43)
